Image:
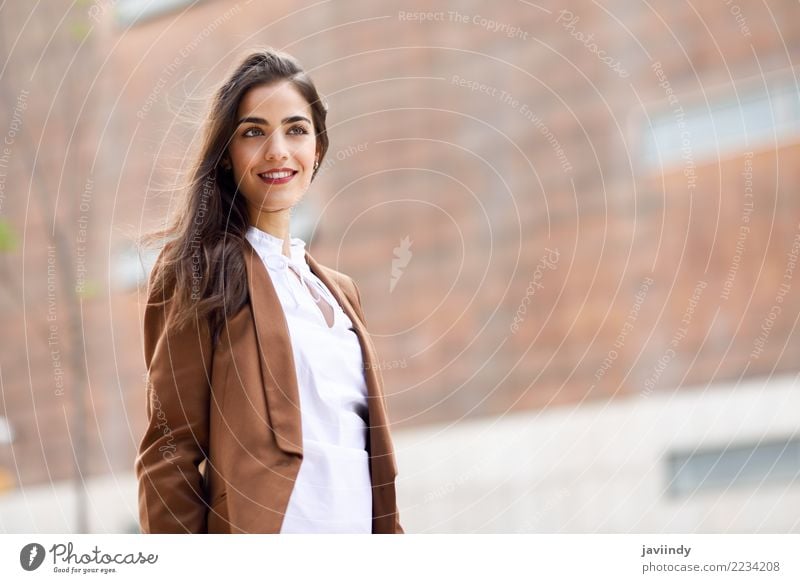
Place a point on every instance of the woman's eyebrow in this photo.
(262, 121)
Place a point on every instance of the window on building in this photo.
(6, 433)
(760, 115)
(131, 266)
(719, 469)
(129, 12)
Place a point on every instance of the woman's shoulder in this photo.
(340, 278)
(348, 286)
(343, 281)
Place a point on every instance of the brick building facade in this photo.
(543, 207)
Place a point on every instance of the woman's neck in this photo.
(276, 224)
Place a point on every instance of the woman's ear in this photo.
(225, 162)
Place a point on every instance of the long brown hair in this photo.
(201, 268)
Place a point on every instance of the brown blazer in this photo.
(223, 443)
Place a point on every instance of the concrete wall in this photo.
(599, 467)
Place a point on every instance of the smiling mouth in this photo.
(277, 177)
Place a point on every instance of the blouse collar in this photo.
(270, 249)
(267, 245)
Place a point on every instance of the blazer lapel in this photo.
(279, 374)
(277, 360)
(380, 440)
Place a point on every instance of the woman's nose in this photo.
(276, 147)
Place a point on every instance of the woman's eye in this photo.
(255, 131)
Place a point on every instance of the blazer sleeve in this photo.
(170, 483)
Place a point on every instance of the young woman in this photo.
(265, 404)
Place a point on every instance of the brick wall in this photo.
(482, 182)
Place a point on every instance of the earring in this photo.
(316, 164)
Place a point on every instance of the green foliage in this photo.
(79, 30)
(88, 290)
(8, 239)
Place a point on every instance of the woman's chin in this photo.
(277, 203)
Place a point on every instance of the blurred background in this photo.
(575, 226)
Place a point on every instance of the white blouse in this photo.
(333, 491)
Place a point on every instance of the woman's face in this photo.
(274, 132)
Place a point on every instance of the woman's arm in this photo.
(171, 495)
